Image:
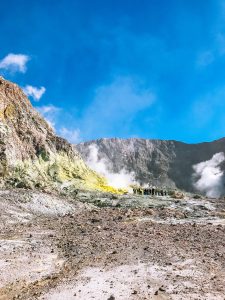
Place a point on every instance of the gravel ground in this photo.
(170, 251)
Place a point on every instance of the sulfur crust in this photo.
(58, 172)
(7, 113)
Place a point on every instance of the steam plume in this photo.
(123, 179)
(209, 176)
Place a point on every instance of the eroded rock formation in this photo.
(31, 155)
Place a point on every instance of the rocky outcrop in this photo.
(158, 162)
(31, 155)
(24, 133)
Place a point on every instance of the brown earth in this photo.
(111, 252)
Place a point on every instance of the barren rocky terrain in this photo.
(102, 246)
(66, 234)
(158, 162)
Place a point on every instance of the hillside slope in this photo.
(31, 155)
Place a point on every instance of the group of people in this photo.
(152, 191)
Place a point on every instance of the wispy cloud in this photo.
(208, 108)
(220, 39)
(73, 136)
(115, 106)
(14, 63)
(216, 45)
(45, 109)
(113, 109)
(49, 112)
(208, 112)
(205, 58)
(34, 92)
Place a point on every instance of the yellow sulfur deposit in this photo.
(60, 173)
(7, 113)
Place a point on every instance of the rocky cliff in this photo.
(168, 163)
(31, 155)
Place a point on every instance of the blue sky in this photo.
(110, 68)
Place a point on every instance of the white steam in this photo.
(210, 178)
(123, 179)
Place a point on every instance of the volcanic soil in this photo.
(125, 247)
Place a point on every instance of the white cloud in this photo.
(14, 63)
(34, 92)
(49, 112)
(73, 136)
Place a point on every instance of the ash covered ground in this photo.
(101, 246)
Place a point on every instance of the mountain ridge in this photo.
(148, 139)
(158, 162)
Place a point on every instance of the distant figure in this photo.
(150, 191)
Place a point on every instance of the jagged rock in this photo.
(31, 155)
(159, 162)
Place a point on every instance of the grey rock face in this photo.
(158, 162)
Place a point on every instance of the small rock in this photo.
(162, 289)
